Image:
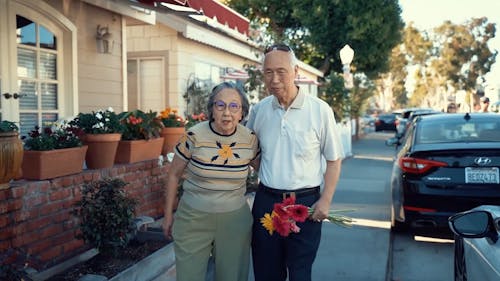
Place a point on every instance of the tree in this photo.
(462, 53)
(450, 57)
(334, 93)
(318, 29)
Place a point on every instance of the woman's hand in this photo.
(168, 221)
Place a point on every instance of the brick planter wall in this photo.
(35, 215)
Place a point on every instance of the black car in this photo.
(406, 115)
(447, 163)
(385, 122)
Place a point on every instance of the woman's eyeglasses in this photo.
(280, 47)
(232, 106)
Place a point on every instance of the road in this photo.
(368, 251)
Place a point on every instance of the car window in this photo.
(454, 131)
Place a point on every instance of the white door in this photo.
(30, 48)
(146, 80)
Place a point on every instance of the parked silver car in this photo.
(477, 249)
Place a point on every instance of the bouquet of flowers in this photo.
(284, 217)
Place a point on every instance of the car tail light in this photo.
(419, 209)
(418, 166)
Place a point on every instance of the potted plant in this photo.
(58, 144)
(174, 128)
(194, 119)
(141, 137)
(11, 152)
(103, 131)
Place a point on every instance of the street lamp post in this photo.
(346, 57)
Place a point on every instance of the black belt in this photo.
(289, 193)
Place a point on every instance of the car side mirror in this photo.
(473, 224)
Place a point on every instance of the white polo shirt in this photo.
(294, 141)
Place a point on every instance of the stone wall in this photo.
(35, 215)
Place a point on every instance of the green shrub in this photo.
(106, 215)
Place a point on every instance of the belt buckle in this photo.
(288, 194)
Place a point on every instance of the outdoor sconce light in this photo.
(104, 41)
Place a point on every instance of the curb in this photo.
(150, 267)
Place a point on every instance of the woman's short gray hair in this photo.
(245, 104)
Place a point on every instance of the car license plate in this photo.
(481, 175)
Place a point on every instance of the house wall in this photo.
(180, 54)
(35, 215)
(100, 79)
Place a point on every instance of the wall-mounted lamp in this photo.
(104, 40)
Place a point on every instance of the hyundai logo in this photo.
(481, 161)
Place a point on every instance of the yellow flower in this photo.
(267, 222)
(225, 152)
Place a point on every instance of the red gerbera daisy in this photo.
(282, 226)
(298, 213)
(280, 210)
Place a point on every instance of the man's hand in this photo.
(321, 210)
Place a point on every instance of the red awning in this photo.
(212, 9)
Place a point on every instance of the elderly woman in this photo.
(213, 217)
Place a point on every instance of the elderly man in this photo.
(296, 131)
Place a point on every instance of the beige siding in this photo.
(99, 75)
(180, 55)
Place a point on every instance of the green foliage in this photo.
(139, 125)
(334, 93)
(464, 44)
(196, 96)
(49, 138)
(449, 58)
(362, 91)
(106, 215)
(170, 118)
(98, 122)
(8, 126)
(319, 29)
(255, 82)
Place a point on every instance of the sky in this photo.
(427, 14)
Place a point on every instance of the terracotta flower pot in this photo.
(102, 150)
(171, 136)
(41, 165)
(11, 157)
(131, 151)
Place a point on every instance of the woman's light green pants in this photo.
(226, 236)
